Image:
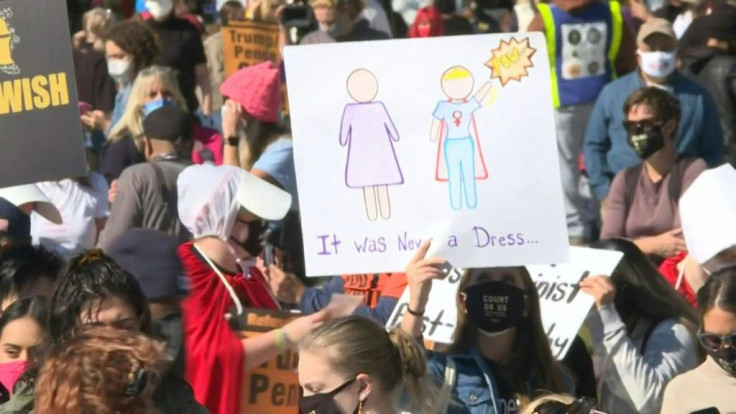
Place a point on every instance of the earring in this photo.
(360, 406)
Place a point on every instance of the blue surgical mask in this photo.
(157, 104)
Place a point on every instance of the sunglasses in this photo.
(714, 342)
(582, 405)
(643, 125)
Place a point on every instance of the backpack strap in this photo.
(164, 196)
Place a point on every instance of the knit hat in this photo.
(13, 222)
(150, 256)
(258, 89)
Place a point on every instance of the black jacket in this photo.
(716, 70)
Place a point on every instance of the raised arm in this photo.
(483, 92)
(419, 275)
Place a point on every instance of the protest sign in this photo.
(563, 306)
(39, 116)
(249, 43)
(446, 138)
(273, 387)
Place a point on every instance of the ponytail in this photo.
(413, 363)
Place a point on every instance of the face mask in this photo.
(119, 70)
(157, 104)
(726, 358)
(494, 307)
(646, 140)
(10, 372)
(323, 403)
(253, 244)
(160, 8)
(658, 65)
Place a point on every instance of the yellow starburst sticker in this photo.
(510, 60)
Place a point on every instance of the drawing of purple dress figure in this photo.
(369, 133)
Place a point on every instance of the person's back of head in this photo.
(360, 351)
(167, 129)
(90, 284)
(231, 10)
(95, 23)
(640, 289)
(27, 271)
(445, 6)
(15, 225)
(101, 370)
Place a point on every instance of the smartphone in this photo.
(84, 107)
(268, 257)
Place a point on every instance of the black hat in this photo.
(150, 256)
(168, 123)
(722, 21)
(14, 223)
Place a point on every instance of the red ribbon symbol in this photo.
(457, 116)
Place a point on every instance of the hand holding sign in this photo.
(600, 288)
(419, 275)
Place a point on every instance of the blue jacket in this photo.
(476, 389)
(317, 298)
(605, 147)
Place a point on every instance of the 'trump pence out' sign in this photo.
(40, 130)
(403, 140)
(563, 306)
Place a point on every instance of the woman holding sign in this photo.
(501, 355)
(643, 332)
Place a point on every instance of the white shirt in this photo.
(79, 207)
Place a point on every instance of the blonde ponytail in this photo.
(419, 387)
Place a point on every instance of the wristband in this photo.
(418, 314)
(232, 141)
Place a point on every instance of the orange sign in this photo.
(249, 43)
(272, 388)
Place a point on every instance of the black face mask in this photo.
(726, 358)
(494, 306)
(645, 139)
(253, 244)
(323, 403)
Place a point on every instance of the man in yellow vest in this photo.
(589, 45)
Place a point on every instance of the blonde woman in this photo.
(352, 365)
(154, 88)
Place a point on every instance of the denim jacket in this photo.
(476, 388)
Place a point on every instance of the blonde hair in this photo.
(356, 345)
(530, 355)
(95, 22)
(101, 370)
(560, 398)
(131, 122)
(456, 72)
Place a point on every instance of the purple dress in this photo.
(369, 132)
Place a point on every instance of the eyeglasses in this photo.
(714, 342)
(582, 405)
(642, 125)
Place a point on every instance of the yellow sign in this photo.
(272, 388)
(249, 43)
(510, 60)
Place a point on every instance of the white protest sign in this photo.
(563, 306)
(447, 138)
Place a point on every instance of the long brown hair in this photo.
(532, 367)
(101, 370)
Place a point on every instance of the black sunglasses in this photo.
(582, 405)
(714, 342)
(643, 125)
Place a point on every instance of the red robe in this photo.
(668, 269)
(214, 354)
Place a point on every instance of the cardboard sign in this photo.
(249, 43)
(272, 388)
(39, 117)
(563, 306)
(449, 138)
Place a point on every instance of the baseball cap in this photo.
(655, 25)
(168, 123)
(13, 222)
(150, 256)
(30, 193)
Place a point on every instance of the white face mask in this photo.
(119, 70)
(159, 8)
(657, 65)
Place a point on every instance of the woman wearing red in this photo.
(223, 207)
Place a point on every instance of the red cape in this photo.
(440, 173)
